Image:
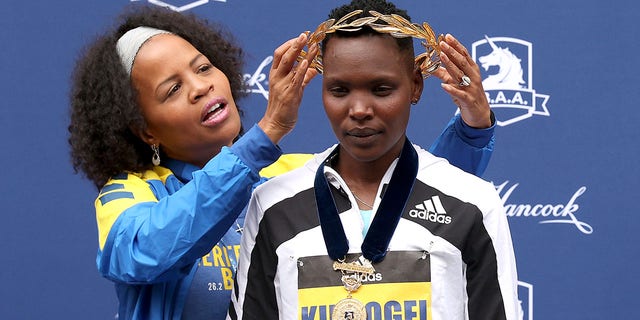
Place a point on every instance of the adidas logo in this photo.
(431, 210)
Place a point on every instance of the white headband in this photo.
(130, 42)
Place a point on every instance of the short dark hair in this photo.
(381, 6)
(104, 112)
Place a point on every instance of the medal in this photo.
(349, 307)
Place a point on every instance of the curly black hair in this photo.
(381, 6)
(104, 113)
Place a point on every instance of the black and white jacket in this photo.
(451, 256)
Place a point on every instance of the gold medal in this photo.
(349, 309)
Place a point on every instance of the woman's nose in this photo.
(201, 87)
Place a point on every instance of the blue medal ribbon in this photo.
(394, 199)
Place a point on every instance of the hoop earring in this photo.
(155, 159)
(414, 102)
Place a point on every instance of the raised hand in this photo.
(468, 96)
(287, 80)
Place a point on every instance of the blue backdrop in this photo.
(564, 162)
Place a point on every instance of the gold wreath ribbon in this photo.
(397, 27)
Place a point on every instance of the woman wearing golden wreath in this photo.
(376, 227)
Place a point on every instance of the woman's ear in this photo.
(418, 86)
(145, 135)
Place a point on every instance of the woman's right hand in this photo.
(471, 100)
(286, 85)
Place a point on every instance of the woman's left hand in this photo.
(471, 99)
(287, 80)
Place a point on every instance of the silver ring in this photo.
(465, 81)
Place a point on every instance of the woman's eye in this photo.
(338, 91)
(205, 68)
(382, 90)
(173, 89)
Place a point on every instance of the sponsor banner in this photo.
(545, 213)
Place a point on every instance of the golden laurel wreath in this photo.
(397, 27)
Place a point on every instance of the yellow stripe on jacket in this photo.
(124, 191)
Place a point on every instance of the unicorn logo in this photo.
(509, 74)
(507, 66)
(175, 6)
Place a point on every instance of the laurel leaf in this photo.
(349, 29)
(384, 28)
(401, 19)
(348, 15)
(325, 25)
(427, 28)
(363, 21)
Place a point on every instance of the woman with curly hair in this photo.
(155, 126)
(152, 124)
